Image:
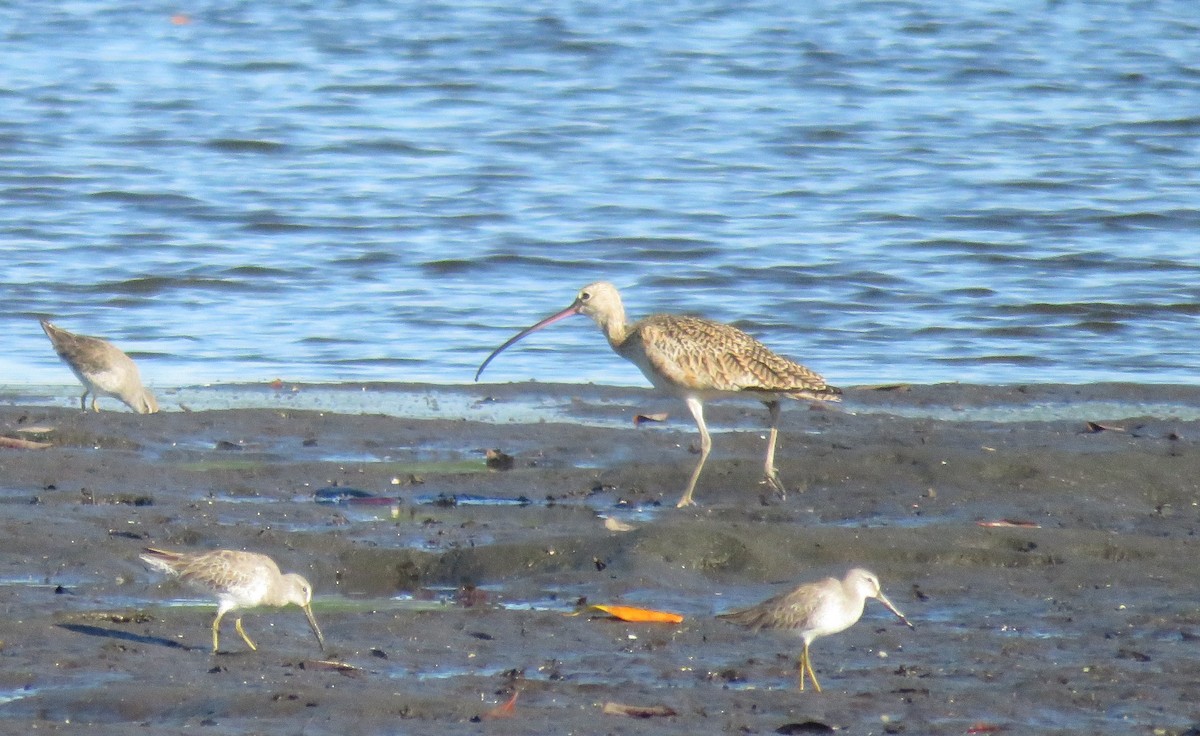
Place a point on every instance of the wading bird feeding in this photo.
(238, 580)
(695, 359)
(816, 609)
(102, 369)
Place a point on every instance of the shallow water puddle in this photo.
(397, 400)
(449, 500)
(16, 496)
(901, 522)
(604, 503)
(9, 696)
(1038, 412)
(28, 582)
(66, 584)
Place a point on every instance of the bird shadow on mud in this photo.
(91, 630)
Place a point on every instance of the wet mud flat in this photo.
(1042, 541)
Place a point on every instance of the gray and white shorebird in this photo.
(695, 359)
(102, 368)
(238, 580)
(815, 610)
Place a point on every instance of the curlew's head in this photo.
(865, 584)
(295, 589)
(600, 300)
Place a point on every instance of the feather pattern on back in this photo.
(702, 355)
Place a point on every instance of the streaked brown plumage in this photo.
(238, 580)
(816, 609)
(102, 369)
(695, 359)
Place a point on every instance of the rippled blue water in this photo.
(338, 191)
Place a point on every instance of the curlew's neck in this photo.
(611, 321)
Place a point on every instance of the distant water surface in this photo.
(330, 192)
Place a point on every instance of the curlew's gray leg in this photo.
(770, 474)
(705, 447)
(83, 402)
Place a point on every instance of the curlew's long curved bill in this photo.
(312, 622)
(573, 309)
(883, 599)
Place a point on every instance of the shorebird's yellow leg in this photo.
(806, 667)
(770, 474)
(705, 447)
(238, 625)
(95, 408)
(217, 630)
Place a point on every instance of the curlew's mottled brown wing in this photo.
(791, 610)
(709, 356)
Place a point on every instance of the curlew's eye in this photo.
(585, 296)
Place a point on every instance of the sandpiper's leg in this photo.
(770, 474)
(806, 666)
(83, 401)
(238, 625)
(705, 447)
(217, 630)
(95, 408)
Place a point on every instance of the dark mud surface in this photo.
(456, 594)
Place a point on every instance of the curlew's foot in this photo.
(772, 481)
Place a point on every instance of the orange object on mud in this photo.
(640, 615)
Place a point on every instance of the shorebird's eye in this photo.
(584, 296)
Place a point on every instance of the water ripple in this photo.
(895, 191)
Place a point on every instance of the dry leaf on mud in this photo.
(1005, 523)
(496, 459)
(17, 444)
(36, 429)
(331, 665)
(640, 615)
(637, 711)
(640, 419)
(504, 710)
(614, 525)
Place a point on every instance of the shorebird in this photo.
(695, 359)
(102, 369)
(238, 580)
(816, 609)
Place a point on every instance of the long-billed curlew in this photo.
(102, 369)
(238, 580)
(816, 609)
(696, 359)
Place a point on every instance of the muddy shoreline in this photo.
(454, 594)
